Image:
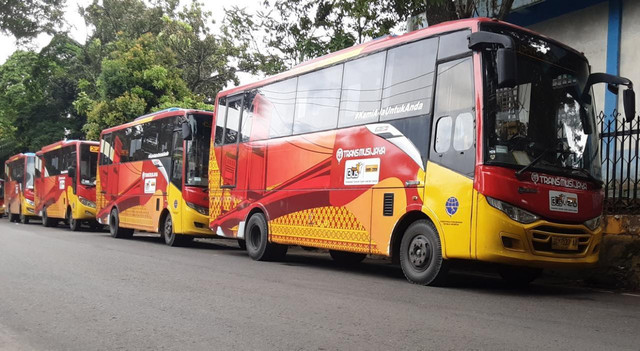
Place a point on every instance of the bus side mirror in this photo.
(506, 63)
(72, 172)
(186, 131)
(629, 102)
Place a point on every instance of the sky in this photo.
(79, 31)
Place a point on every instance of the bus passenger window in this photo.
(463, 133)
(317, 100)
(362, 90)
(408, 80)
(234, 108)
(443, 134)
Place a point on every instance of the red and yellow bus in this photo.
(468, 140)
(152, 175)
(1, 198)
(66, 183)
(19, 174)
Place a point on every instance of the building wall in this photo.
(630, 44)
(571, 30)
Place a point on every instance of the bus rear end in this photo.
(19, 187)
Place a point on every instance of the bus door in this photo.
(231, 139)
(449, 174)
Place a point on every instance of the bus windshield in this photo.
(198, 151)
(88, 165)
(540, 118)
(31, 172)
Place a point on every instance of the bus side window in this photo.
(221, 117)
(176, 160)
(454, 141)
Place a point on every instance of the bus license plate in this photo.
(568, 244)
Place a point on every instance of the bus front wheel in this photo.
(23, 219)
(114, 226)
(421, 254)
(170, 237)
(46, 221)
(257, 240)
(74, 224)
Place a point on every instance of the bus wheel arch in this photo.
(400, 228)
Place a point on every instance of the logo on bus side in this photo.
(558, 181)
(361, 152)
(362, 171)
(451, 206)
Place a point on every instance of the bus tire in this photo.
(114, 226)
(421, 254)
(46, 221)
(345, 258)
(74, 224)
(519, 276)
(12, 217)
(257, 240)
(170, 237)
(23, 219)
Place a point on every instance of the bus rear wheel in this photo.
(421, 254)
(74, 224)
(346, 258)
(257, 240)
(170, 237)
(114, 226)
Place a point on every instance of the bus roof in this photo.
(19, 156)
(63, 143)
(380, 44)
(155, 116)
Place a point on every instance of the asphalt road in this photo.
(61, 290)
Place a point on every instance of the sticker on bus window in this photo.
(560, 201)
(95, 149)
(363, 171)
(150, 185)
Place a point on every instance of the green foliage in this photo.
(24, 19)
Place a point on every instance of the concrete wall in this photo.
(586, 31)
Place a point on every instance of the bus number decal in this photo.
(362, 171)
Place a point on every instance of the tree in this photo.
(138, 77)
(289, 32)
(24, 19)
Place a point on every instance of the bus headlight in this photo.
(201, 210)
(29, 202)
(515, 213)
(593, 223)
(86, 202)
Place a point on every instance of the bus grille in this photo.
(542, 236)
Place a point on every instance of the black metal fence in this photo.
(620, 145)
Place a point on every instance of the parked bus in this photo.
(470, 140)
(19, 174)
(1, 198)
(66, 183)
(153, 175)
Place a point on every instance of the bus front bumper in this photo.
(541, 244)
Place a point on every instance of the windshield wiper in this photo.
(534, 162)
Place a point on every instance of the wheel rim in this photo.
(168, 229)
(255, 236)
(420, 252)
